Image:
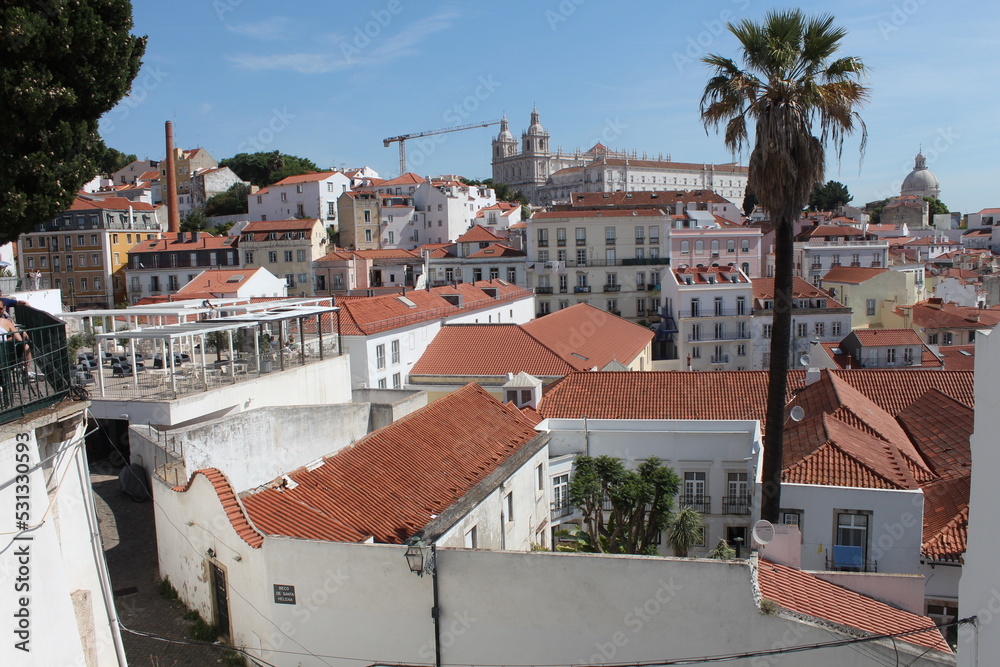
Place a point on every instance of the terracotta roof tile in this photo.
(854, 275)
(478, 234)
(109, 203)
(880, 337)
(958, 357)
(804, 593)
(496, 250)
(392, 482)
(231, 504)
(218, 280)
(305, 178)
(587, 336)
(763, 288)
(658, 198)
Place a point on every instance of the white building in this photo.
(546, 176)
(822, 247)
(816, 318)
(709, 310)
(305, 196)
(386, 334)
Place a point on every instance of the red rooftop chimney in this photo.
(173, 215)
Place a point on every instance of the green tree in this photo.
(263, 169)
(63, 64)
(935, 207)
(684, 531)
(231, 202)
(828, 196)
(195, 221)
(113, 160)
(640, 502)
(791, 85)
(722, 551)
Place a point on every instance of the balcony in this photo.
(609, 241)
(581, 242)
(49, 379)
(716, 312)
(543, 243)
(711, 335)
(736, 505)
(560, 510)
(616, 313)
(561, 243)
(646, 261)
(582, 289)
(612, 288)
(543, 290)
(700, 504)
(849, 559)
(639, 240)
(720, 359)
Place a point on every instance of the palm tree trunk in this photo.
(781, 335)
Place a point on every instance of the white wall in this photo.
(496, 607)
(53, 571)
(979, 589)
(318, 383)
(895, 527)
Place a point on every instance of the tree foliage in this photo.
(263, 169)
(640, 502)
(684, 531)
(63, 64)
(790, 84)
(828, 196)
(935, 206)
(231, 202)
(113, 160)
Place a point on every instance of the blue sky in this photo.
(329, 80)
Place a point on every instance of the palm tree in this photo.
(790, 85)
(684, 531)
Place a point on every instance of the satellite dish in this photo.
(805, 360)
(796, 413)
(763, 532)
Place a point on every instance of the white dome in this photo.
(921, 181)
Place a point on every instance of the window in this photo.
(509, 505)
(695, 332)
(791, 518)
(737, 491)
(766, 333)
(368, 236)
(745, 245)
(512, 275)
(381, 383)
(609, 235)
(471, 539)
(639, 234)
(284, 196)
(560, 236)
(870, 307)
(654, 234)
(397, 381)
(272, 256)
(543, 238)
(852, 538)
(302, 278)
(685, 247)
(97, 283)
(93, 240)
(31, 262)
(391, 238)
(300, 255)
(55, 264)
(890, 355)
(801, 329)
(717, 305)
(640, 306)
(380, 356)
(395, 351)
(932, 339)
(819, 328)
(715, 247)
(368, 216)
(699, 247)
(83, 285)
(908, 355)
(946, 338)
(741, 350)
(560, 492)
(695, 308)
(581, 236)
(288, 255)
(720, 331)
(540, 476)
(494, 272)
(581, 258)
(694, 488)
(248, 257)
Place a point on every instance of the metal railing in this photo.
(711, 335)
(716, 312)
(543, 290)
(613, 288)
(720, 359)
(700, 504)
(582, 289)
(560, 510)
(28, 386)
(401, 320)
(736, 504)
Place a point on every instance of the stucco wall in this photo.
(496, 607)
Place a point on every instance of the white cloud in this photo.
(354, 50)
(276, 27)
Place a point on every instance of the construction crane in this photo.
(403, 137)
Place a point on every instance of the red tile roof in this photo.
(231, 504)
(479, 234)
(172, 243)
(880, 337)
(854, 275)
(805, 593)
(830, 231)
(109, 203)
(496, 250)
(576, 338)
(279, 225)
(896, 390)
(218, 281)
(304, 178)
(933, 314)
(392, 482)
(763, 288)
(608, 213)
(958, 357)
(361, 316)
(656, 199)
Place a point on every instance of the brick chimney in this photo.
(173, 214)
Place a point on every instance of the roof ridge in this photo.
(223, 486)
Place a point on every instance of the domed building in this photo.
(921, 182)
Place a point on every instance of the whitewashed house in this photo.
(311, 196)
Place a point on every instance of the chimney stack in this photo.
(173, 215)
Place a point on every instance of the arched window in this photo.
(746, 268)
(731, 245)
(699, 247)
(685, 247)
(715, 246)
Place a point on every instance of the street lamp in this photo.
(417, 561)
